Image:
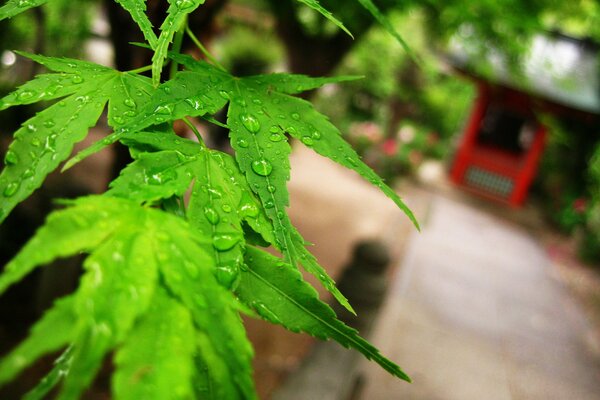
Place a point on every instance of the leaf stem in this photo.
(203, 49)
(140, 70)
(177, 47)
(194, 130)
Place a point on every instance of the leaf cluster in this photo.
(174, 246)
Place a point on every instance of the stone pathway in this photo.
(475, 313)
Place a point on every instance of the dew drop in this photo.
(271, 189)
(35, 142)
(250, 122)
(224, 241)
(163, 110)
(276, 137)
(49, 123)
(50, 144)
(129, 102)
(228, 276)
(226, 208)
(25, 95)
(211, 215)
(296, 116)
(77, 79)
(224, 94)
(249, 210)
(119, 120)
(308, 140)
(257, 102)
(11, 189)
(351, 161)
(316, 135)
(262, 167)
(129, 113)
(194, 103)
(243, 143)
(29, 172)
(11, 158)
(31, 128)
(160, 178)
(269, 204)
(265, 312)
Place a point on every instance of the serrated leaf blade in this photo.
(154, 176)
(15, 7)
(41, 144)
(190, 277)
(315, 5)
(278, 293)
(385, 22)
(137, 10)
(52, 332)
(176, 15)
(157, 361)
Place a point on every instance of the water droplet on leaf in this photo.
(11, 189)
(276, 137)
(228, 276)
(243, 143)
(296, 116)
(129, 102)
(163, 110)
(25, 95)
(211, 215)
(11, 158)
(224, 241)
(262, 167)
(250, 123)
(307, 140)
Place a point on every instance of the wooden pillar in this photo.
(461, 161)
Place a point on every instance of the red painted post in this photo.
(461, 161)
(529, 169)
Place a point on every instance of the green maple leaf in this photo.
(137, 10)
(176, 16)
(315, 5)
(278, 294)
(137, 255)
(14, 7)
(221, 200)
(47, 139)
(260, 113)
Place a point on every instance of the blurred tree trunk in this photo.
(319, 54)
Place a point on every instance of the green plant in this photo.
(166, 279)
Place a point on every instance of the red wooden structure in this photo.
(503, 140)
(501, 146)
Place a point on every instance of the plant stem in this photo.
(195, 130)
(177, 47)
(140, 70)
(203, 49)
